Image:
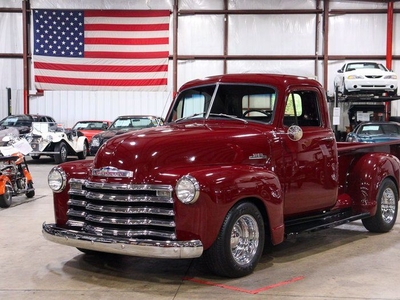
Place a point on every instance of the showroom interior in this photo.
(310, 39)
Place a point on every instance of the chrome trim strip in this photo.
(127, 221)
(74, 202)
(100, 231)
(130, 210)
(127, 198)
(125, 246)
(125, 187)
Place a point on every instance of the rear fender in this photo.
(366, 176)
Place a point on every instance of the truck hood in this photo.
(146, 152)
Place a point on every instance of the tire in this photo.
(386, 211)
(62, 155)
(6, 198)
(35, 157)
(31, 193)
(240, 242)
(83, 154)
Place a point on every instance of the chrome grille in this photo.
(124, 210)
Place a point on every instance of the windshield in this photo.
(16, 121)
(249, 102)
(133, 123)
(91, 125)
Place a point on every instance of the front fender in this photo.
(3, 181)
(366, 176)
(220, 189)
(80, 144)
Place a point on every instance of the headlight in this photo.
(57, 179)
(187, 189)
(48, 138)
(355, 77)
(390, 77)
(95, 142)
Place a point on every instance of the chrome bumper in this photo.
(125, 246)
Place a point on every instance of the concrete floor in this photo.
(346, 262)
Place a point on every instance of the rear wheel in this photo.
(31, 193)
(386, 211)
(6, 198)
(62, 155)
(240, 243)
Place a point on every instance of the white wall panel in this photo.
(271, 35)
(193, 69)
(353, 34)
(200, 34)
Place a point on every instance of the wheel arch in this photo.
(366, 176)
(218, 196)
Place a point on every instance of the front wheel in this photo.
(83, 154)
(386, 210)
(62, 155)
(240, 243)
(6, 198)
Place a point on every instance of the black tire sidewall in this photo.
(219, 256)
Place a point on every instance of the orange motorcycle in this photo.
(15, 178)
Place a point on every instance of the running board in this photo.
(319, 222)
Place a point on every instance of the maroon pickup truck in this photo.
(243, 160)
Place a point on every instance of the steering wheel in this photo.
(265, 112)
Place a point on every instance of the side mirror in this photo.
(295, 133)
(340, 71)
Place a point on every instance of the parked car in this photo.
(24, 122)
(121, 125)
(366, 77)
(91, 128)
(55, 141)
(374, 132)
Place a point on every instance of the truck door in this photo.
(310, 163)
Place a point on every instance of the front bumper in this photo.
(125, 246)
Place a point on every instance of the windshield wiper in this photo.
(228, 116)
(189, 117)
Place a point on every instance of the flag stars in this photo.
(58, 33)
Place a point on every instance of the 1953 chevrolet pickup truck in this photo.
(243, 160)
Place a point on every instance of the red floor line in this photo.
(237, 289)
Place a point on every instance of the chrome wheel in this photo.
(386, 208)
(244, 239)
(388, 205)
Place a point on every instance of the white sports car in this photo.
(365, 77)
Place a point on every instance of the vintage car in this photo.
(53, 140)
(121, 125)
(365, 77)
(374, 132)
(23, 122)
(91, 127)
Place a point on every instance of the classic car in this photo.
(23, 122)
(55, 141)
(91, 127)
(365, 77)
(121, 125)
(374, 132)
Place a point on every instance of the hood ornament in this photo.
(110, 171)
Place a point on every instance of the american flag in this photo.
(101, 49)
